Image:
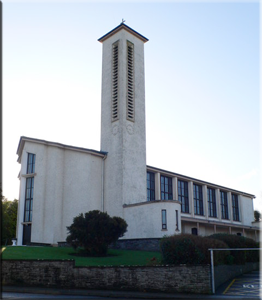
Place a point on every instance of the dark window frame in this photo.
(177, 227)
(166, 188)
(198, 199)
(235, 207)
(182, 191)
(211, 200)
(29, 195)
(150, 186)
(164, 219)
(30, 168)
(224, 205)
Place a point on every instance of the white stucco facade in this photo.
(58, 182)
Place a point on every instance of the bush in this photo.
(95, 231)
(235, 241)
(190, 249)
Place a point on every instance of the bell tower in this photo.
(123, 118)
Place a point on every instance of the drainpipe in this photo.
(102, 196)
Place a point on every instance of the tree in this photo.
(257, 215)
(9, 219)
(95, 231)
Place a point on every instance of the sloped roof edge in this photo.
(24, 139)
(127, 28)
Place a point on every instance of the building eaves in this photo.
(125, 27)
(24, 139)
(187, 178)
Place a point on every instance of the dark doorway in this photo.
(27, 234)
(194, 231)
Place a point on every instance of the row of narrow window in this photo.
(167, 194)
(130, 82)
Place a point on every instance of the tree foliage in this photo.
(257, 216)
(95, 231)
(9, 219)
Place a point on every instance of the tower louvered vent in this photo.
(115, 82)
(130, 82)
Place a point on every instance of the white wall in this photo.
(145, 220)
(66, 183)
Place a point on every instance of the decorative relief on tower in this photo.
(115, 129)
(130, 129)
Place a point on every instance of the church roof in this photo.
(125, 27)
(24, 139)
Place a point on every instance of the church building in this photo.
(58, 182)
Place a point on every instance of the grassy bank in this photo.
(114, 257)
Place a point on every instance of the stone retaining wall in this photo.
(64, 274)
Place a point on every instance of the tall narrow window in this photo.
(30, 163)
(198, 200)
(211, 199)
(235, 207)
(183, 195)
(150, 186)
(166, 188)
(130, 82)
(115, 82)
(164, 221)
(177, 228)
(29, 194)
(224, 205)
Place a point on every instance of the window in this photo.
(198, 200)
(224, 205)
(166, 188)
(164, 223)
(29, 193)
(130, 82)
(235, 207)
(30, 163)
(211, 199)
(115, 82)
(150, 186)
(183, 195)
(177, 220)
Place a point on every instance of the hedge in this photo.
(235, 241)
(191, 249)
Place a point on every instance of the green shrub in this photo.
(235, 241)
(95, 231)
(190, 249)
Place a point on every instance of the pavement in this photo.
(8, 291)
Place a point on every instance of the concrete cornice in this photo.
(152, 202)
(218, 223)
(24, 139)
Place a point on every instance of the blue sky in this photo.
(201, 76)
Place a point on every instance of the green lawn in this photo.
(114, 258)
